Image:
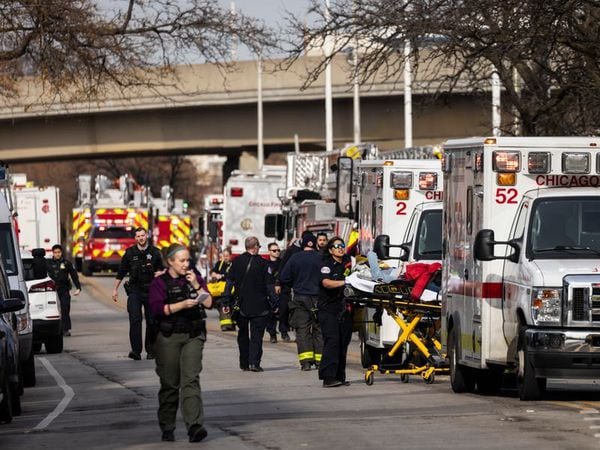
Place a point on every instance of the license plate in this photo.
(115, 247)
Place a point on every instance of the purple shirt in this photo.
(158, 293)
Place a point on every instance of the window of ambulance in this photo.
(7, 250)
(429, 240)
(565, 229)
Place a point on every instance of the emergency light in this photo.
(538, 162)
(506, 179)
(401, 180)
(427, 181)
(401, 194)
(576, 162)
(506, 161)
(237, 192)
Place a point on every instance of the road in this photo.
(92, 396)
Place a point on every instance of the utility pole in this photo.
(261, 148)
(496, 112)
(328, 93)
(408, 125)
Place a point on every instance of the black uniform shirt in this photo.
(301, 272)
(148, 261)
(60, 270)
(332, 300)
(250, 282)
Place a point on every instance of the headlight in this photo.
(546, 306)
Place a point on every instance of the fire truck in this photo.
(521, 267)
(320, 194)
(172, 223)
(401, 200)
(38, 210)
(105, 219)
(247, 199)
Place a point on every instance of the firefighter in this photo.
(335, 316)
(274, 291)
(218, 274)
(142, 262)
(322, 242)
(178, 299)
(60, 270)
(302, 273)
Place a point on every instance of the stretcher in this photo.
(417, 350)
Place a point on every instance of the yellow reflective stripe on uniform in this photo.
(317, 357)
(226, 322)
(306, 355)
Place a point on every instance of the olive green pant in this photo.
(178, 364)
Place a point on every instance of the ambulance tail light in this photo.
(428, 181)
(546, 306)
(538, 162)
(506, 162)
(236, 192)
(401, 180)
(576, 162)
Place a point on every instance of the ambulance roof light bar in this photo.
(401, 180)
(539, 162)
(506, 161)
(576, 162)
(427, 181)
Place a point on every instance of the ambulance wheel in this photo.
(404, 378)
(528, 386)
(369, 355)
(461, 377)
(369, 379)
(430, 379)
(86, 269)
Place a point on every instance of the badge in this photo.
(62, 266)
(325, 269)
(148, 256)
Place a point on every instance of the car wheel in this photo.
(6, 413)
(55, 344)
(529, 387)
(29, 371)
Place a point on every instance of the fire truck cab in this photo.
(521, 267)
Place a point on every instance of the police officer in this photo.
(59, 269)
(335, 316)
(302, 273)
(177, 300)
(142, 262)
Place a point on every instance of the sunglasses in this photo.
(275, 250)
(338, 246)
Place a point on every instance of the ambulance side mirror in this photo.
(406, 248)
(484, 247)
(382, 246)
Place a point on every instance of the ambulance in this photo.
(400, 200)
(521, 266)
(38, 213)
(248, 198)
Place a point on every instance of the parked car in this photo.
(43, 302)
(10, 389)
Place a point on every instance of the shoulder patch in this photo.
(325, 269)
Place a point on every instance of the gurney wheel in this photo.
(430, 379)
(404, 378)
(369, 379)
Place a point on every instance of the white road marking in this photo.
(69, 394)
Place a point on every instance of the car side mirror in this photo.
(382, 246)
(12, 304)
(484, 247)
(406, 248)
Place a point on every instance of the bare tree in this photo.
(76, 49)
(547, 54)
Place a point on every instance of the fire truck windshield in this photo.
(564, 229)
(112, 232)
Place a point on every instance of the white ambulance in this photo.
(521, 267)
(395, 197)
(38, 210)
(248, 198)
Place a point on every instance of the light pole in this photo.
(496, 115)
(408, 126)
(328, 94)
(260, 153)
(353, 60)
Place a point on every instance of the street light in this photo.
(352, 58)
(328, 94)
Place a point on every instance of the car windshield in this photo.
(113, 233)
(565, 229)
(429, 241)
(7, 249)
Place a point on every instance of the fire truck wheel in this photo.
(86, 269)
(461, 377)
(529, 387)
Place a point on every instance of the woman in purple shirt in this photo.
(177, 300)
